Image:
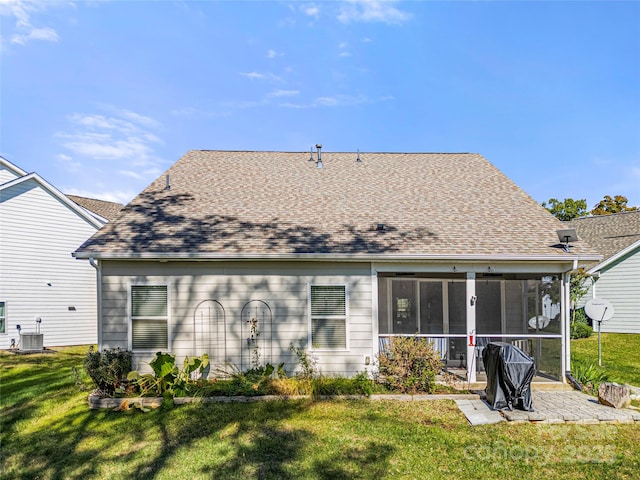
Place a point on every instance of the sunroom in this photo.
(462, 312)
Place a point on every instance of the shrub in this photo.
(409, 365)
(167, 379)
(108, 369)
(581, 330)
(306, 361)
(589, 375)
(580, 316)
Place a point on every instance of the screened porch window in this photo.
(518, 304)
(425, 306)
(149, 318)
(329, 317)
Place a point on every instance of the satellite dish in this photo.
(539, 322)
(598, 310)
(566, 236)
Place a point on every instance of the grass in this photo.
(48, 432)
(620, 355)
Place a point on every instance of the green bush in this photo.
(589, 375)
(108, 369)
(409, 365)
(305, 359)
(581, 330)
(580, 316)
(169, 380)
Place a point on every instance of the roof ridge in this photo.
(336, 151)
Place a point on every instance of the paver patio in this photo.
(550, 407)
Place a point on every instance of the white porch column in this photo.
(375, 328)
(566, 324)
(471, 326)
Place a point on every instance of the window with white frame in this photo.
(3, 317)
(328, 317)
(149, 318)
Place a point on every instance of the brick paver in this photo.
(572, 406)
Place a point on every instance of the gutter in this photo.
(98, 268)
(351, 257)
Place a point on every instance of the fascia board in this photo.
(10, 166)
(330, 257)
(615, 257)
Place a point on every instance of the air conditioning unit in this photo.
(32, 341)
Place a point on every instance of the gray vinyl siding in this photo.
(619, 283)
(284, 286)
(38, 233)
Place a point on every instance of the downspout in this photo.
(98, 268)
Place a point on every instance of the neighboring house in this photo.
(39, 229)
(106, 210)
(617, 277)
(241, 254)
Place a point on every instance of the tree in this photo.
(609, 205)
(566, 210)
(578, 287)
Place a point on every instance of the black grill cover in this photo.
(509, 374)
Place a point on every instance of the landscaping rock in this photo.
(614, 395)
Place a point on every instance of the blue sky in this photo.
(101, 97)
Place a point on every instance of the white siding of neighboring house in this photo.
(37, 235)
(619, 283)
(283, 285)
(6, 175)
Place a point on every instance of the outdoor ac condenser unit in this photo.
(31, 341)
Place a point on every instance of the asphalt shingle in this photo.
(263, 203)
(108, 210)
(609, 234)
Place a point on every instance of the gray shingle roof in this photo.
(108, 210)
(262, 203)
(609, 234)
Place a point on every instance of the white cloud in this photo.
(252, 75)
(137, 118)
(111, 152)
(124, 137)
(261, 76)
(330, 101)
(284, 93)
(23, 11)
(47, 34)
(343, 50)
(271, 54)
(69, 164)
(372, 11)
(311, 10)
(141, 175)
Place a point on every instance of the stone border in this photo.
(96, 402)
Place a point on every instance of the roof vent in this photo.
(168, 185)
(319, 162)
(311, 154)
(380, 227)
(358, 160)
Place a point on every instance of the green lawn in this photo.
(48, 432)
(620, 355)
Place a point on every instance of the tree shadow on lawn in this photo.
(254, 440)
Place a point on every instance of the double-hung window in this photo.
(328, 317)
(3, 317)
(149, 318)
